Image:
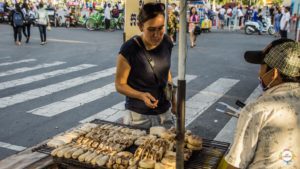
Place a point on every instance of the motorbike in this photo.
(70, 20)
(252, 27)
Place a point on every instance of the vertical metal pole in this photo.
(297, 24)
(180, 121)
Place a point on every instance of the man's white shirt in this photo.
(285, 18)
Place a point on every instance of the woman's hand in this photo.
(149, 100)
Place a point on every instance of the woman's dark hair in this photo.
(41, 5)
(18, 8)
(278, 9)
(25, 5)
(150, 11)
(191, 9)
(288, 8)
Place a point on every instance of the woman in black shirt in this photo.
(141, 83)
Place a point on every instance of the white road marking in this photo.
(35, 78)
(11, 147)
(7, 57)
(73, 102)
(227, 132)
(66, 41)
(26, 69)
(117, 111)
(16, 62)
(200, 102)
(43, 91)
(105, 114)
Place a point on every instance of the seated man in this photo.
(268, 130)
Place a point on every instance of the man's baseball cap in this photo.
(282, 54)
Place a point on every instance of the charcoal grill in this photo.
(207, 158)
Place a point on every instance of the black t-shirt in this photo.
(141, 76)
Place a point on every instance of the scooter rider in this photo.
(260, 21)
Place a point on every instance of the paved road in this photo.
(45, 90)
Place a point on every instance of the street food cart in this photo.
(127, 145)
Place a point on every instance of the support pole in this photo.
(180, 121)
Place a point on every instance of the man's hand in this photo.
(149, 100)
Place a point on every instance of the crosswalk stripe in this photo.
(35, 78)
(11, 147)
(16, 62)
(7, 57)
(117, 111)
(43, 91)
(73, 102)
(26, 69)
(76, 101)
(227, 132)
(200, 102)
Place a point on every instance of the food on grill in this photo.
(54, 152)
(142, 139)
(104, 145)
(100, 160)
(77, 153)
(119, 160)
(55, 143)
(157, 130)
(82, 157)
(71, 135)
(61, 152)
(146, 164)
(168, 135)
(89, 157)
(160, 166)
(189, 146)
(195, 140)
(68, 153)
(169, 161)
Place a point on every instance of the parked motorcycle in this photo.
(70, 21)
(252, 27)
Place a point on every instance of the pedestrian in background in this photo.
(176, 14)
(228, 16)
(17, 23)
(221, 16)
(107, 16)
(285, 22)
(240, 15)
(277, 17)
(28, 19)
(172, 23)
(260, 20)
(193, 21)
(42, 21)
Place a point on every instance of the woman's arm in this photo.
(122, 74)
